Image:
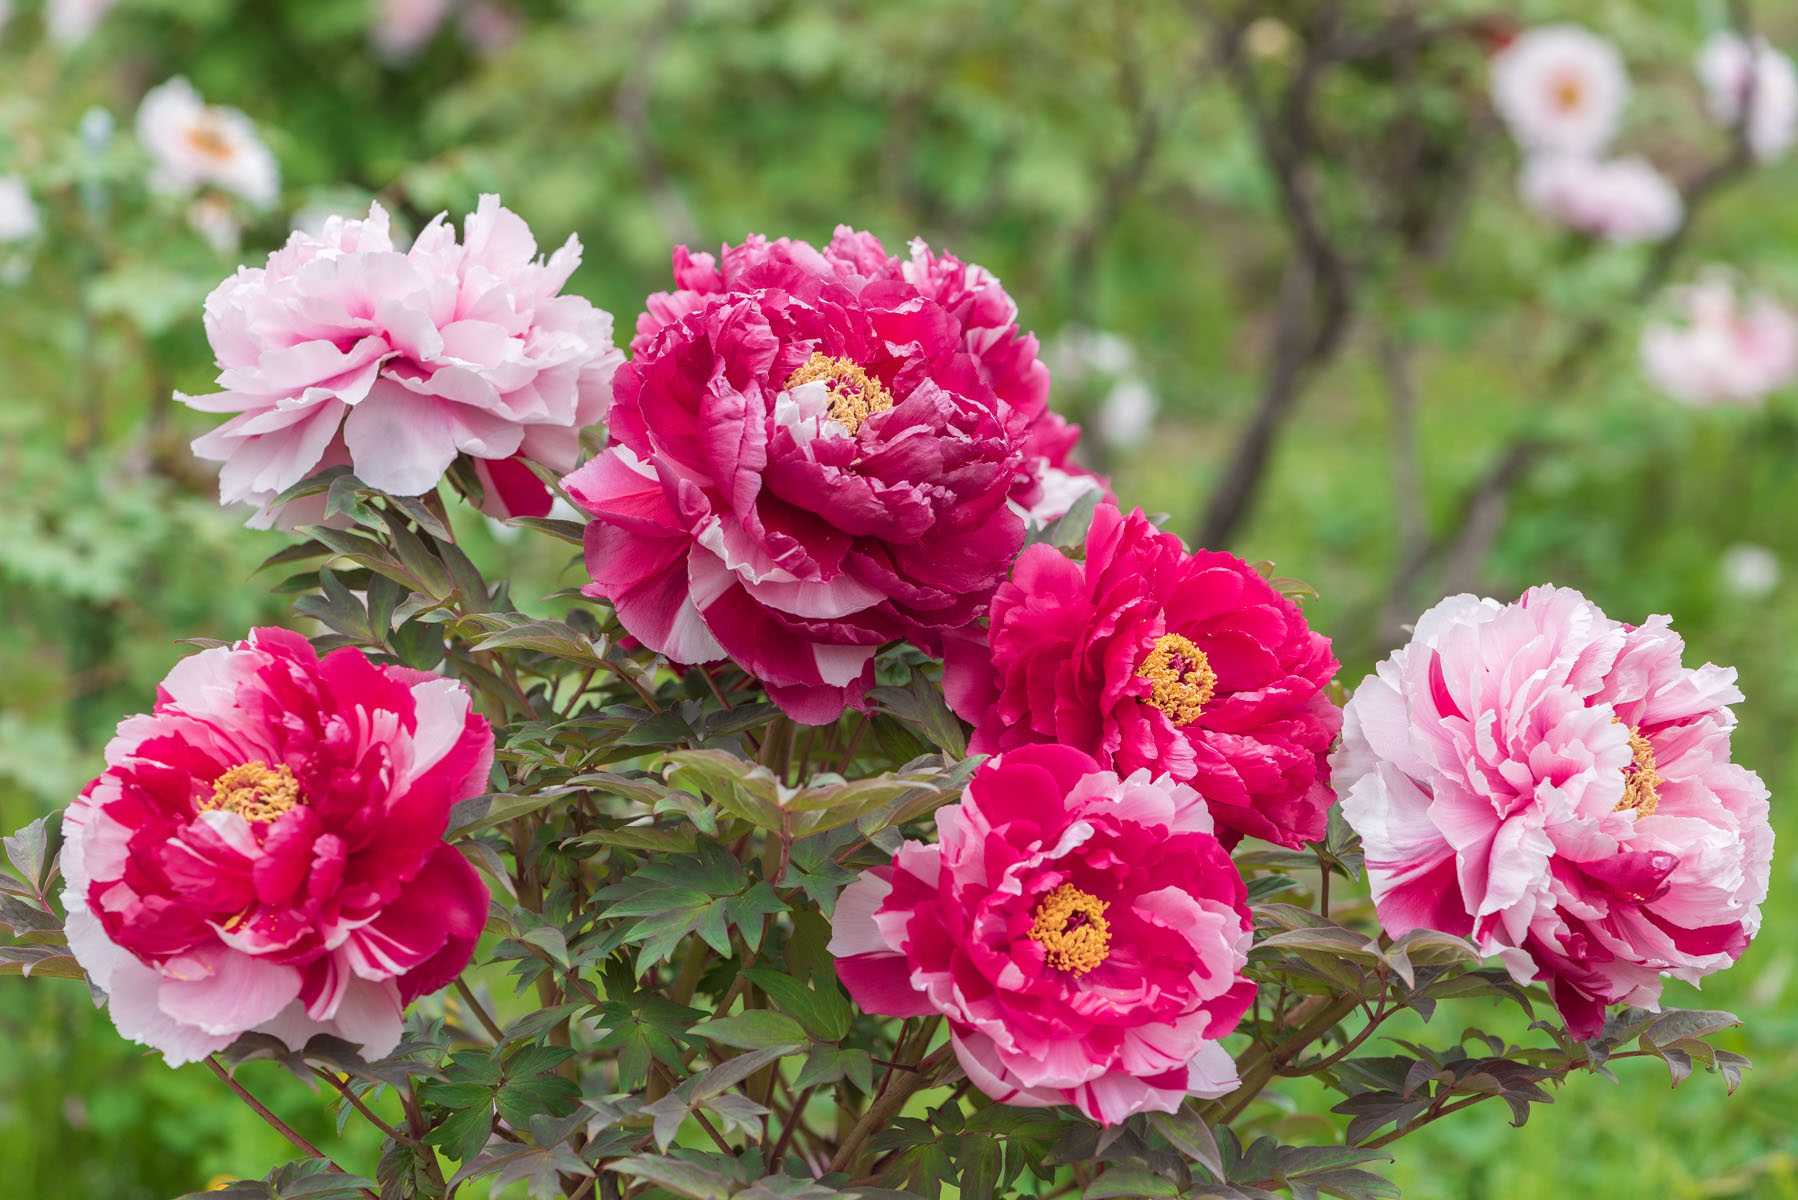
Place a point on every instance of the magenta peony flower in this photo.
(265, 850)
(1084, 935)
(1147, 656)
(1556, 786)
(807, 463)
(343, 350)
(985, 317)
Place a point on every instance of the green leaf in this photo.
(678, 1176)
(753, 1030)
(825, 1014)
(1129, 1181)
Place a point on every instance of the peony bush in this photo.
(887, 806)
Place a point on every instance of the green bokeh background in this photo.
(997, 129)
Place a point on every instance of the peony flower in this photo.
(18, 215)
(402, 28)
(343, 350)
(808, 463)
(1727, 351)
(1084, 935)
(1556, 786)
(1621, 200)
(1145, 656)
(194, 144)
(265, 850)
(1560, 89)
(70, 21)
(1765, 81)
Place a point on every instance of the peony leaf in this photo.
(757, 1029)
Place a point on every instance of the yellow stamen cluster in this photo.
(854, 394)
(1569, 93)
(1182, 675)
(208, 138)
(1641, 781)
(1078, 949)
(254, 791)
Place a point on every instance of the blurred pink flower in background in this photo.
(1723, 349)
(265, 850)
(1560, 89)
(1556, 786)
(194, 144)
(1765, 80)
(1622, 200)
(71, 21)
(1084, 934)
(343, 350)
(489, 27)
(402, 28)
(1145, 656)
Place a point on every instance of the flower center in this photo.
(208, 140)
(1568, 93)
(1072, 930)
(1641, 782)
(1182, 676)
(254, 791)
(854, 394)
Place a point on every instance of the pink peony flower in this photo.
(1622, 200)
(194, 144)
(1726, 351)
(1084, 935)
(343, 350)
(265, 850)
(1561, 89)
(1557, 786)
(1147, 656)
(1764, 81)
(807, 463)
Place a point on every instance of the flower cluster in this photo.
(1561, 91)
(1725, 349)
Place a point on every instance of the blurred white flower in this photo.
(1076, 352)
(194, 143)
(1560, 88)
(70, 21)
(1722, 350)
(18, 215)
(1749, 571)
(1620, 199)
(404, 27)
(1731, 75)
(1127, 416)
(211, 217)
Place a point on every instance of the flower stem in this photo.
(480, 1014)
(901, 1085)
(276, 1123)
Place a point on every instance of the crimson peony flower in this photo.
(1557, 786)
(1083, 934)
(265, 850)
(343, 350)
(1147, 656)
(808, 462)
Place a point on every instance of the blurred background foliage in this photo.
(1103, 157)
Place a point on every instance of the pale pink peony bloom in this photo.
(265, 850)
(1560, 89)
(1556, 786)
(1765, 80)
(402, 28)
(18, 215)
(194, 144)
(1084, 934)
(1727, 350)
(343, 350)
(71, 21)
(1622, 200)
